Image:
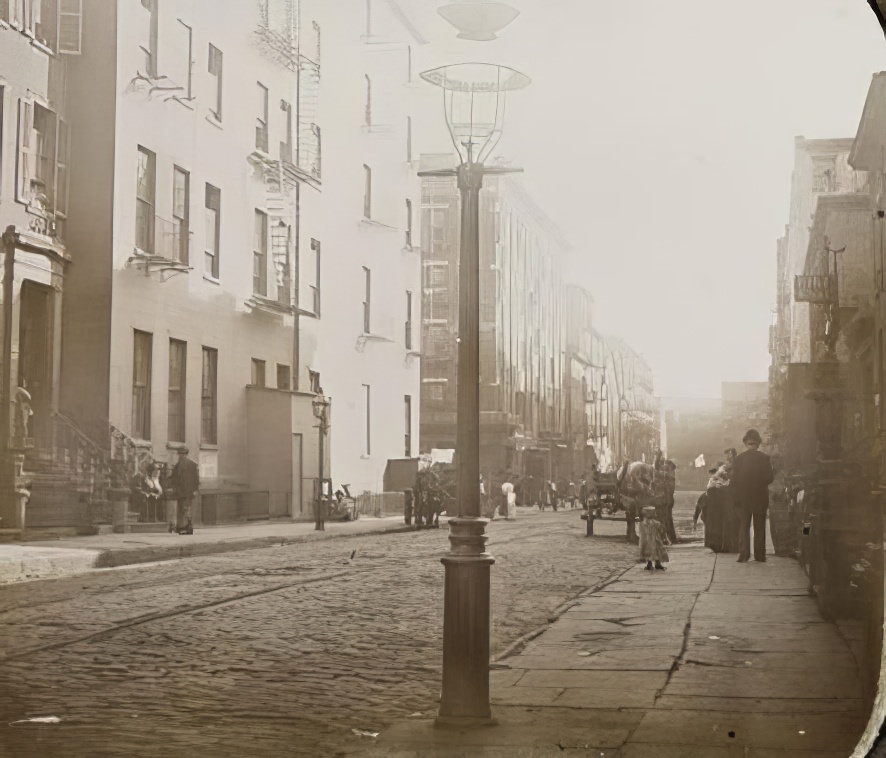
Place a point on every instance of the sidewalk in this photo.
(23, 561)
(712, 659)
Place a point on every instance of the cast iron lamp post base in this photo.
(466, 620)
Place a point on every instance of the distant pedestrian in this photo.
(652, 539)
(510, 500)
(186, 484)
(583, 491)
(751, 476)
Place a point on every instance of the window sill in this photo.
(36, 43)
(410, 249)
(364, 457)
(208, 446)
(175, 445)
(379, 224)
(211, 279)
(211, 118)
(379, 129)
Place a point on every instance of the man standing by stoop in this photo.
(750, 480)
(185, 483)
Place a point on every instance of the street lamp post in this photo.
(320, 404)
(473, 97)
(9, 513)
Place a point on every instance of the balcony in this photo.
(269, 305)
(162, 247)
(281, 175)
(816, 288)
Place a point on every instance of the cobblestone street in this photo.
(278, 651)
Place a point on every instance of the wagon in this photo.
(606, 497)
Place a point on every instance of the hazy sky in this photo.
(659, 136)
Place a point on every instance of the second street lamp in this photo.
(320, 405)
(473, 100)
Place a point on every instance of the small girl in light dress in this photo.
(652, 540)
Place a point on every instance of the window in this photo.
(213, 230)
(151, 50)
(409, 63)
(181, 230)
(141, 385)
(215, 71)
(184, 74)
(408, 336)
(258, 373)
(368, 114)
(367, 447)
(260, 254)
(42, 157)
(407, 407)
(144, 200)
(261, 121)
(367, 276)
(367, 191)
(286, 143)
(409, 224)
(314, 378)
(283, 376)
(281, 235)
(178, 357)
(209, 397)
(36, 18)
(409, 139)
(315, 287)
(70, 26)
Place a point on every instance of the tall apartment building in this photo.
(363, 351)
(523, 405)
(36, 38)
(632, 410)
(190, 154)
(828, 199)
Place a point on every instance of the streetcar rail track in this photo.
(353, 567)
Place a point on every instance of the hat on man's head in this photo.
(752, 435)
(183, 450)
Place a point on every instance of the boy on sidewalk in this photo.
(652, 539)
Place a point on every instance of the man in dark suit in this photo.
(751, 476)
(185, 483)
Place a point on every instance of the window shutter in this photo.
(63, 150)
(23, 169)
(70, 26)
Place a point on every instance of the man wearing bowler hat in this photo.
(185, 483)
(750, 480)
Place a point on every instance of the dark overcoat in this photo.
(185, 478)
(749, 483)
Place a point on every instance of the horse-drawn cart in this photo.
(606, 496)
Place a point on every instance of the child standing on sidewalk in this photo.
(652, 539)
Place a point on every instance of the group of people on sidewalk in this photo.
(737, 499)
(149, 490)
(747, 476)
